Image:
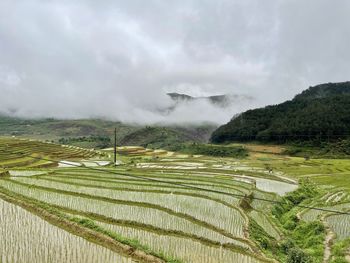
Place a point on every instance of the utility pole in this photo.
(115, 146)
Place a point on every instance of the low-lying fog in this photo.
(165, 110)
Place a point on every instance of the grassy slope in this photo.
(82, 132)
(167, 137)
(323, 171)
(336, 149)
(51, 129)
(210, 150)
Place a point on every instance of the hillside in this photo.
(168, 137)
(88, 133)
(52, 129)
(320, 113)
(28, 153)
(97, 133)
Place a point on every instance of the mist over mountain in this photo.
(118, 59)
(173, 108)
(222, 101)
(224, 105)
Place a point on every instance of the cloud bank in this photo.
(117, 59)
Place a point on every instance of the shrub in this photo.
(296, 255)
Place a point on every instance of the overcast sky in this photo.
(117, 59)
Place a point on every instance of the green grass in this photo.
(320, 149)
(211, 150)
(54, 129)
(340, 250)
(305, 236)
(88, 223)
(303, 240)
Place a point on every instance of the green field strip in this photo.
(186, 250)
(207, 177)
(18, 162)
(226, 199)
(112, 182)
(91, 232)
(237, 244)
(30, 244)
(175, 191)
(224, 218)
(42, 164)
(190, 176)
(151, 174)
(141, 179)
(266, 224)
(340, 225)
(263, 205)
(164, 218)
(12, 147)
(166, 181)
(241, 247)
(228, 192)
(237, 178)
(227, 180)
(4, 157)
(111, 193)
(234, 177)
(335, 180)
(27, 172)
(312, 215)
(217, 171)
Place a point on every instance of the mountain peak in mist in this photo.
(222, 101)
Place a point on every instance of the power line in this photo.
(115, 147)
(187, 186)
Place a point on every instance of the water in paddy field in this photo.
(27, 238)
(273, 186)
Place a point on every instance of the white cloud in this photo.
(117, 59)
(9, 77)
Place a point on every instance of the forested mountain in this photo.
(320, 112)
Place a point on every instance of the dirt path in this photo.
(328, 245)
(328, 242)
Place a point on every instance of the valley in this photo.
(156, 204)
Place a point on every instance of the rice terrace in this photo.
(187, 131)
(65, 203)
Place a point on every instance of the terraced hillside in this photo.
(159, 206)
(29, 153)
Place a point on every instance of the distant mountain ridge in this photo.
(325, 90)
(222, 101)
(95, 133)
(322, 111)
